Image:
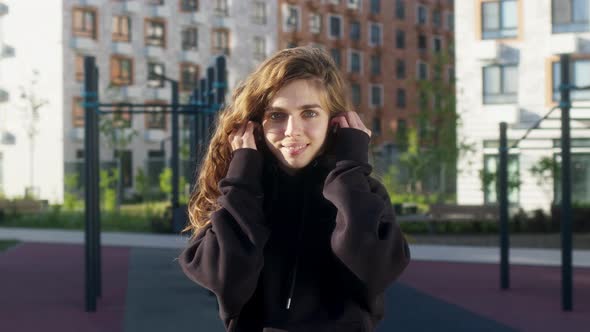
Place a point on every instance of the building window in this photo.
(422, 43)
(437, 44)
(375, 6)
(400, 69)
(221, 7)
(401, 134)
(122, 117)
(400, 39)
(156, 2)
(355, 61)
(85, 22)
(220, 42)
(580, 178)
(259, 12)
(189, 76)
(121, 70)
(401, 98)
(189, 5)
(292, 18)
(121, 29)
(490, 170)
(375, 34)
(335, 27)
(376, 127)
(355, 30)
(155, 118)
(315, 23)
(155, 32)
(79, 68)
(376, 95)
(190, 38)
(375, 64)
(436, 18)
(579, 76)
(355, 91)
(422, 70)
(450, 21)
(570, 15)
(450, 74)
(422, 15)
(259, 48)
(500, 84)
(336, 56)
(400, 9)
(499, 19)
(155, 70)
(78, 112)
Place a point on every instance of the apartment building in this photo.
(383, 47)
(507, 67)
(130, 39)
(6, 51)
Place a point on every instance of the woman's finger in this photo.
(341, 121)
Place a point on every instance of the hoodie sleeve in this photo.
(226, 256)
(366, 238)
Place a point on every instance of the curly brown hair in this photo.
(248, 102)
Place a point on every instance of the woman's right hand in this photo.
(243, 137)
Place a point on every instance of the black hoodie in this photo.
(311, 252)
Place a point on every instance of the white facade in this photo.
(41, 33)
(529, 48)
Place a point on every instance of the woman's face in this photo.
(295, 125)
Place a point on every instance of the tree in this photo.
(31, 104)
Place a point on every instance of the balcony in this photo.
(154, 135)
(127, 7)
(83, 43)
(3, 9)
(159, 11)
(4, 96)
(564, 43)
(162, 93)
(122, 48)
(154, 52)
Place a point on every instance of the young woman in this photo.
(289, 230)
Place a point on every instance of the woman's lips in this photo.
(296, 149)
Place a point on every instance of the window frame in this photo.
(159, 110)
(117, 35)
(183, 84)
(502, 32)
(188, 6)
(78, 112)
(259, 12)
(572, 25)
(360, 62)
(574, 95)
(148, 39)
(379, 27)
(372, 90)
(340, 27)
(116, 67)
(502, 97)
(189, 45)
(84, 30)
(220, 45)
(155, 83)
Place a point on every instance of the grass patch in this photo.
(5, 244)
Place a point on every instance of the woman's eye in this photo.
(310, 114)
(276, 116)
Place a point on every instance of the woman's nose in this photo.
(294, 127)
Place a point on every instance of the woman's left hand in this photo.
(350, 120)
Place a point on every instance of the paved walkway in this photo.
(41, 282)
(444, 253)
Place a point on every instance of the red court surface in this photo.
(532, 304)
(42, 289)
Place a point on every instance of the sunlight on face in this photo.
(295, 125)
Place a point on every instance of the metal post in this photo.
(96, 189)
(175, 149)
(210, 101)
(220, 82)
(90, 88)
(503, 200)
(566, 204)
(203, 117)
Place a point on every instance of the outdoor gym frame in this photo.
(204, 104)
(566, 196)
